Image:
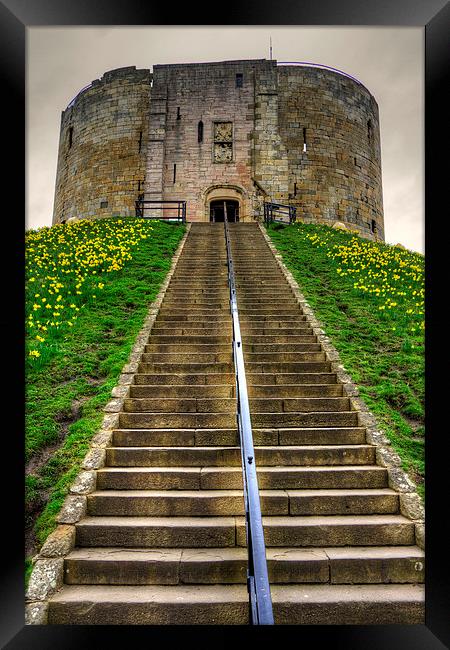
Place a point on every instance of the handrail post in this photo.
(260, 601)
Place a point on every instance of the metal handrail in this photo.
(282, 210)
(260, 601)
(180, 207)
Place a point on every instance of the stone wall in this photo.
(242, 130)
(102, 147)
(208, 93)
(338, 177)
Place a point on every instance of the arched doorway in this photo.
(218, 207)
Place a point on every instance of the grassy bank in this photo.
(88, 288)
(370, 299)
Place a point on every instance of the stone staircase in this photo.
(164, 542)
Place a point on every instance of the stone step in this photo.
(288, 565)
(173, 503)
(149, 605)
(207, 531)
(223, 437)
(289, 378)
(196, 456)
(202, 339)
(188, 347)
(230, 478)
(176, 420)
(286, 319)
(185, 379)
(180, 405)
(228, 404)
(296, 419)
(192, 296)
(190, 315)
(295, 390)
(194, 305)
(285, 367)
(272, 329)
(280, 347)
(188, 357)
(200, 391)
(282, 357)
(189, 420)
(333, 530)
(203, 329)
(276, 303)
(298, 404)
(176, 503)
(204, 347)
(270, 339)
(270, 312)
(186, 368)
(228, 605)
(227, 390)
(160, 532)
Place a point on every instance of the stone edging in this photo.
(48, 570)
(410, 502)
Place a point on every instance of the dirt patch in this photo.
(35, 506)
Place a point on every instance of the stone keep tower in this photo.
(244, 132)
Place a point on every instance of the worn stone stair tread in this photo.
(228, 565)
(274, 554)
(228, 604)
(279, 455)
(261, 448)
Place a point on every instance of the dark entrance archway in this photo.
(217, 210)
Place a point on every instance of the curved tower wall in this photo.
(298, 134)
(102, 147)
(338, 177)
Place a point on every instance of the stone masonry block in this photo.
(46, 578)
(36, 613)
(73, 509)
(59, 542)
(84, 483)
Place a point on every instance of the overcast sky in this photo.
(388, 61)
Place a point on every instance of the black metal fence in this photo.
(260, 601)
(163, 210)
(279, 212)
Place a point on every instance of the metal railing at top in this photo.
(279, 212)
(163, 210)
(260, 600)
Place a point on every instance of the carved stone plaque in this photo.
(223, 141)
(223, 131)
(223, 152)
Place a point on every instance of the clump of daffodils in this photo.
(60, 262)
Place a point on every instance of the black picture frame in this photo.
(15, 17)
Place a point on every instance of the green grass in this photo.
(369, 298)
(70, 382)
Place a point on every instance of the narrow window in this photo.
(374, 226)
(200, 131)
(178, 113)
(103, 204)
(355, 160)
(139, 186)
(174, 173)
(70, 136)
(140, 141)
(304, 139)
(369, 131)
(295, 189)
(239, 80)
